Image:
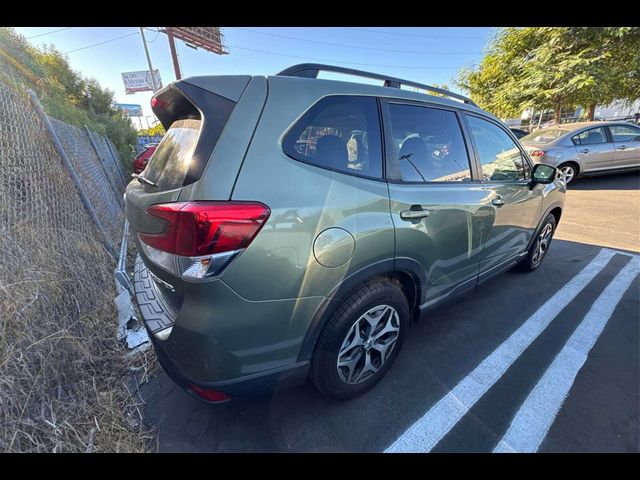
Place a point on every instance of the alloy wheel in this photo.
(567, 173)
(368, 344)
(542, 244)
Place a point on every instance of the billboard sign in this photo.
(207, 38)
(130, 109)
(140, 81)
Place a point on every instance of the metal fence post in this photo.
(74, 177)
(104, 167)
(116, 160)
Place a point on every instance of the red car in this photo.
(141, 160)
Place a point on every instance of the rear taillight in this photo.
(538, 153)
(201, 238)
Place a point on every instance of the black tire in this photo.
(324, 369)
(570, 165)
(531, 262)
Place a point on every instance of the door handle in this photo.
(622, 147)
(498, 201)
(416, 213)
(585, 150)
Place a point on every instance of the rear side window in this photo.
(339, 133)
(169, 164)
(590, 137)
(426, 145)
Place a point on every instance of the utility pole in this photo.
(174, 54)
(146, 51)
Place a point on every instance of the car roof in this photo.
(570, 127)
(382, 91)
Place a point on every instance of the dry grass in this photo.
(65, 382)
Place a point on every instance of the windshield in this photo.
(543, 136)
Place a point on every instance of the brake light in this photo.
(213, 396)
(538, 153)
(201, 238)
(157, 103)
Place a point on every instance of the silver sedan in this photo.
(588, 148)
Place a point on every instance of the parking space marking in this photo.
(622, 252)
(427, 431)
(533, 420)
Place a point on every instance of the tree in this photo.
(610, 69)
(441, 87)
(153, 131)
(556, 68)
(65, 94)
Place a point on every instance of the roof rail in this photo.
(311, 70)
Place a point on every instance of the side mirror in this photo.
(543, 174)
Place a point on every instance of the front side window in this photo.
(426, 145)
(589, 137)
(339, 133)
(500, 157)
(624, 133)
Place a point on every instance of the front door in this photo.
(437, 205)
(515, 207)
(594, 149)
(626, 139)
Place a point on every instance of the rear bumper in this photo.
(256, 384)
(217, 340)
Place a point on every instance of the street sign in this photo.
(130, 109)
(140, 81)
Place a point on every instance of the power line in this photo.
(154, 38)
(424, 52)
(49, 33)
(342, 61)
(409, 34)
(101, 43)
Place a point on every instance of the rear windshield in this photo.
(543, 136)
(170, 162)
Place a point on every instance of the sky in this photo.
(426, 55)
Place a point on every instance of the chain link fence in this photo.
(36, 186)
(105, 196)
(61, 224)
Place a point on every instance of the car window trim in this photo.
(523, 152)
(384, 106)
(335, 170)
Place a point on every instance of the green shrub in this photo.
(64, 93)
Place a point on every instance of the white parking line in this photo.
(424, 434)
(533, 420)
(622, 252)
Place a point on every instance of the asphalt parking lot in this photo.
(548, 361)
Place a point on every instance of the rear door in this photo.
(515, 208)
(594, 149)
(626, 139)
(436, 200)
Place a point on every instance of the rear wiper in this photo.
(141, 179)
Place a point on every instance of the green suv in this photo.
(291, 227)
